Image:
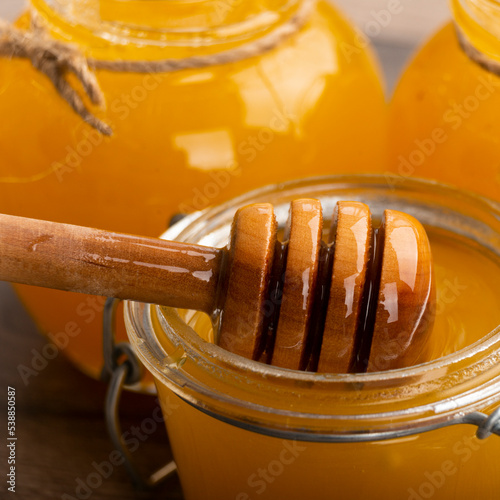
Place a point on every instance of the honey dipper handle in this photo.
(97, 262)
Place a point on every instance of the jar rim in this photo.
(477, 23)
(413, 398)
(59, 16)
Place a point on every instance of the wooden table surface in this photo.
(60, 426)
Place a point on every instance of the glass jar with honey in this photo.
(301, 97)
(444, 114)
(242, 429)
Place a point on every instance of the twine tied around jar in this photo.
(56, 59)
(476, 55)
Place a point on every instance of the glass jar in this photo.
(444, 114)
(240, 429)
(184, 140)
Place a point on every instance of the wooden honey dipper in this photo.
(362, 302)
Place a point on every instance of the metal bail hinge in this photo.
(121, 368)
(490, 425)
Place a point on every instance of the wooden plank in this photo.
(60, 426)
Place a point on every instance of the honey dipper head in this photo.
(363, 301)
(406, 297)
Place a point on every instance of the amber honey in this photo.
(444, 113)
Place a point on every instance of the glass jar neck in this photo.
(479, 22)
(206, 26)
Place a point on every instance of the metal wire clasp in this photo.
(121, 368)
(486, 424)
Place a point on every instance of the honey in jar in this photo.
(444, 114)
(241, 429)
(180, 141)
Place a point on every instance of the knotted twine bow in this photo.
(56, 59)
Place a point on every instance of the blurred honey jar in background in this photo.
(300, 96)
(444, 118)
